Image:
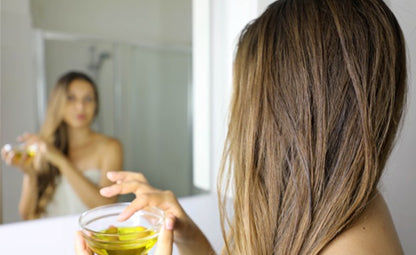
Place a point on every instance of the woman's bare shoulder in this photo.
(107, 143)
(372, 233)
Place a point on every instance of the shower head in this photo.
(103, 56)
(96, 63)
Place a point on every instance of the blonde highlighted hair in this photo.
(319, 91)
(54, 131)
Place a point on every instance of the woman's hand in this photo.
(45, 150)
(19, 159)
(165, 239)
(164, 242)
(146, 195)
(81, 247)
(187, 236)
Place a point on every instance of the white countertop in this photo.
(56, 235)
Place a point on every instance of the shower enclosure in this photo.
(145, 99)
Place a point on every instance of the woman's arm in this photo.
(86, 190)
(28, 197)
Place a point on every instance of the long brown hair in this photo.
(319, 90)
(54, 131)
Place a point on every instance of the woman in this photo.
(71, 159)
(319, 90)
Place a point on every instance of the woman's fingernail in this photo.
(104, 191)
(168, 223)
(121, 216)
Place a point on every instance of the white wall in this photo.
(228, 18)
(17, 92)
(156, 21)
(398, 184)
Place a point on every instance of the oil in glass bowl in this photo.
(105, 235)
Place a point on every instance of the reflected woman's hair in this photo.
(54, 131)
(319, 91)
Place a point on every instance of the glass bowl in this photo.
(105, 235)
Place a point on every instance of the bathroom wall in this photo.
(17, 90)
(398, 183)
(154, 22)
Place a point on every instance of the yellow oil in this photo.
(128, 241)
(19, 151)
(18, 154)
(31, 151)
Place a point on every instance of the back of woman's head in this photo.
(319, 90)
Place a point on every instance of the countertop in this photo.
(53, 236)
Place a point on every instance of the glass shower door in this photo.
(156, 124)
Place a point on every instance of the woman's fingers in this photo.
(125, 188)
(24, 160)
(26, 136)
(126, 182)
(161, 199)
(5, 150)
(29, 139)
(8, 157)
(126, 176)
(146, 195)
(7, 154)
(34, 141)
(165, 240)
(133, 207)
(80, 245)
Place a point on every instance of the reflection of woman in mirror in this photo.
(319, 91)
(71, 161)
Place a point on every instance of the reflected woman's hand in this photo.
(22, 160)
(46, 150)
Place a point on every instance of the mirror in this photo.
(144, 100)
(140, 55)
